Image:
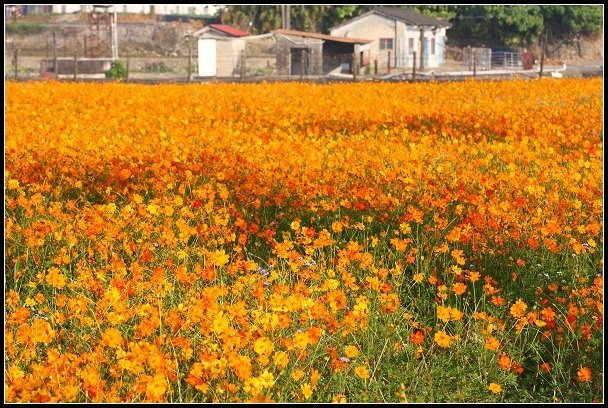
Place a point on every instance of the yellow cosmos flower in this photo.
(495, 388)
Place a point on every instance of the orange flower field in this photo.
(356, 242)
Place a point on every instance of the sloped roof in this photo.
(408, 16)
(230, 31)
(235, 32)
(322, 36)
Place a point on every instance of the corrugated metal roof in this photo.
(322, 36)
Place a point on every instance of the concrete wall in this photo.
(196, 9)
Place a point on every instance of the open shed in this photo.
(301, 52)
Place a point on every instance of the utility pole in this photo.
(285, 16)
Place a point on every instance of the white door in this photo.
(207, 57)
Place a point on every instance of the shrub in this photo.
(117, 70)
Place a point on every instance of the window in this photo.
(432, 46)
(410, 45)
(386, 44)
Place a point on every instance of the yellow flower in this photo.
(281, 359)
(111, 338)
(351, 351)
(339, 398)
(220, 323)
(297, 374)
(263, 346)
(361, 372)
(495, 388)
(306, 390)
(443, 339)
(443, 313)
(156, 387)
(219, 258)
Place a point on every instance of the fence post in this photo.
(242, 65)
(414, 67)
(46, 50)
(354, 66)
(85, 47)
(128, 63)
(474, 62)
(189, 62)
(389, 62)
(542, 56)
(55, 66)
(302, 56)
(75, 66)
(16, 62)
(375, 67)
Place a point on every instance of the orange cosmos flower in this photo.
(518, 308)
(584, 374)
(459, 288)
(492, 343)
(504, 361)
(417, 337)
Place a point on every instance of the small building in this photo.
(220, 50)
(306, 53)
(398, 33)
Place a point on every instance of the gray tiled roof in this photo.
(411, 17)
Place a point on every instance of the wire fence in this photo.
(73, 57)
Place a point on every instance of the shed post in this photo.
(242, 64)
(75, 66)
(414, 67)
(16, 62)
(375, 67)
(128, 63)
(388, 66)
(302, 57)
(474, 62)
(46, 53)
(422, 48)
(189, 62)
(85, 47)
(355, 68)
(55, 67)
(542, 56)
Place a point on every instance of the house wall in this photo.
(374, 27)
(371, 27)
(229, 54)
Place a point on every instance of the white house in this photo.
(399, 33)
